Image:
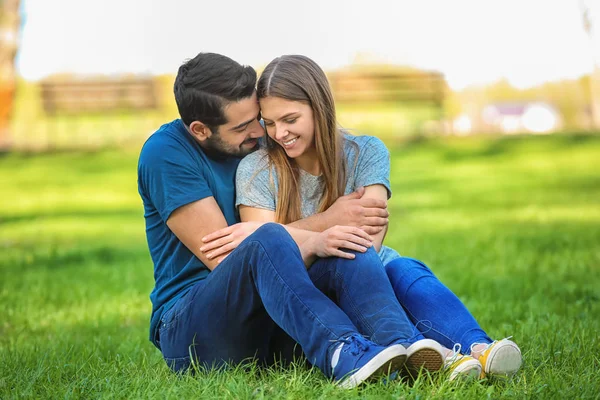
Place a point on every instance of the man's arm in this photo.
(216, 245)
(366, 212)
(355, 209)
(258, 214)
(330, 242)
(377, 192)
(191, 222)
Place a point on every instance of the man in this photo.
(248, 305)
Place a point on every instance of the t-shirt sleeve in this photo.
(169, 177)
(255, 187)
(373, 165)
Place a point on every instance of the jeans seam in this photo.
(354, 307)
(177, 358)
(331, 333)
(412, 316)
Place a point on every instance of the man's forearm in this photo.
(317, 223)
(299, 235)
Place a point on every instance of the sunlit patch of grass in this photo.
(512, 225)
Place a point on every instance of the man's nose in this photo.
(257, 130)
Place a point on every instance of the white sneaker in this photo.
(500, 358)
(357, 359)
(462, 366)
(426, 354)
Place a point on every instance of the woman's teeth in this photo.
(290, 142)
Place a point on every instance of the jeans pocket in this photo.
(169, 318)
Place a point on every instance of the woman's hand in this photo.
(222, 242)
(333, 241)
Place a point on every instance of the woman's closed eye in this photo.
(286, 121)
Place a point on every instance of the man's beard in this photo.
(217, 146)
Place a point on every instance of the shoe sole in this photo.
(387, 361)
(503, 360)
(426, 358)
(467, 370)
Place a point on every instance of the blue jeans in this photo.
(261, 300)
(436, 311)
(361, 288)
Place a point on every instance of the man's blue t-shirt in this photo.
(173, 171)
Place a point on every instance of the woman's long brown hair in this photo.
(298, 78)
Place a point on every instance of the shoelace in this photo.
(354, 344)
(487, 345)
(455, 353)
(416, 332)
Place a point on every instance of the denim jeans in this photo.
(361, 288)
(435, 310)
(261, 299)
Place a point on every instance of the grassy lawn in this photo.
(512, 225)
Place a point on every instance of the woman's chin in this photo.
(292, 153)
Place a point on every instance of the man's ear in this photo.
(200, 131)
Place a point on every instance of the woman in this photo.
(308, 163)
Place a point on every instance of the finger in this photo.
(359, 240)
(376, 221)
(372, 230)
(344, 231)
(222, 250)
(342, 254)
(345, 244)
(216, 243)
(373, 203)
(376, 212)
(351, 233)
(361, 234)
(218, 234)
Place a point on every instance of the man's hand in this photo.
(369, 214)
(333, 241)
(221, 243)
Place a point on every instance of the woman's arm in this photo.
(316, 244)
(355, 209)
(248, 213)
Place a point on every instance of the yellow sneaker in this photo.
(462, 366)
(500, 358)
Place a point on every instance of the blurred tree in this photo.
(9, 30)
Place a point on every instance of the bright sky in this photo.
(471, 41)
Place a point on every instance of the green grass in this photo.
(512, 225)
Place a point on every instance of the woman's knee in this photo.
(271, 235)
(369, 258)
(340, 268)
(407, 270)
(270, 230)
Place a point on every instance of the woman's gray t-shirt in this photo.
(368, 164)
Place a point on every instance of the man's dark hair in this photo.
(207, 83)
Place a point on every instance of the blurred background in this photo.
(93, 74)
(491, 112)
